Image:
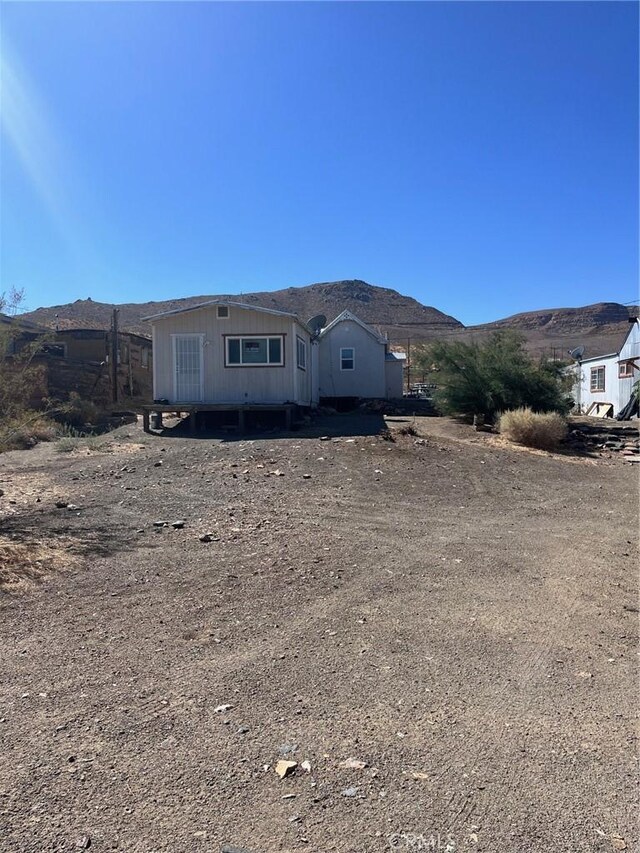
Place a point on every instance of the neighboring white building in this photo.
(355, 361)
(604, 382)
(224, 352)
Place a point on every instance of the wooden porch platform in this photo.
(193, 409)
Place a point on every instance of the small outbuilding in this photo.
(604, 383)
(356, 361)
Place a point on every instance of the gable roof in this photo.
(632, 324)
(347, 315)
(212, 302)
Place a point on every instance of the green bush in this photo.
(544, 430)
(493, 376)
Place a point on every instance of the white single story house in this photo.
(603, 383)
(224, 353)
(355, 361)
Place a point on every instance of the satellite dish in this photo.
(576, 353)
(317, 323)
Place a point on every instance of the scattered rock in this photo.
(220, 709)
(306, 476)
(418, 775)
(353, 764)
(160, 523)
(206, 537)
(157, 464)
(325, 438)
(84, 842)
(72, 506)
(284, 768)
(350, 792)
(584, 674)
(62, 504)
(177, 525)
(306, 766)
(618, 842)
(242, 730)
(288, 748)
(288, 797)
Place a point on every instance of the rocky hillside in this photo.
(599, 328)
(379, 306)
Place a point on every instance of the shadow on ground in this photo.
(338, 425)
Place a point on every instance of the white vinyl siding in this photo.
(250, 384)
(592, 374)
(367, 377)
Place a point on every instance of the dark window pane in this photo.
(254, 351)
(234, 351)
(275, 350)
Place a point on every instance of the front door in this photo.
(187, 356)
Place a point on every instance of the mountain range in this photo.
(600, 328)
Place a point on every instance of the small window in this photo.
(245, 352)
(626, 368)
(597, 378)
(347, 358)
(301, 353)
(223, 312)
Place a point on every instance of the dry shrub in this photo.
(407, 430)
(22, 432)
(24, 564)
(544, 430)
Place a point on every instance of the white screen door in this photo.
(187, 351)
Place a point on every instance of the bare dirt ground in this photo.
(457, 615)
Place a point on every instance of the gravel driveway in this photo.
(457, 617)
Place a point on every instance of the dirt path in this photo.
(460, 617)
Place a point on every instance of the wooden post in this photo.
(145, 420)
(130, 374)
(114, 356)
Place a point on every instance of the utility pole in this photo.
(114, 356)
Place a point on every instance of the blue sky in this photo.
(481, 157)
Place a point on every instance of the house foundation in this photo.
(154, 412)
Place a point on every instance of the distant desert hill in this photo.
(379, 306)
(599, 328)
